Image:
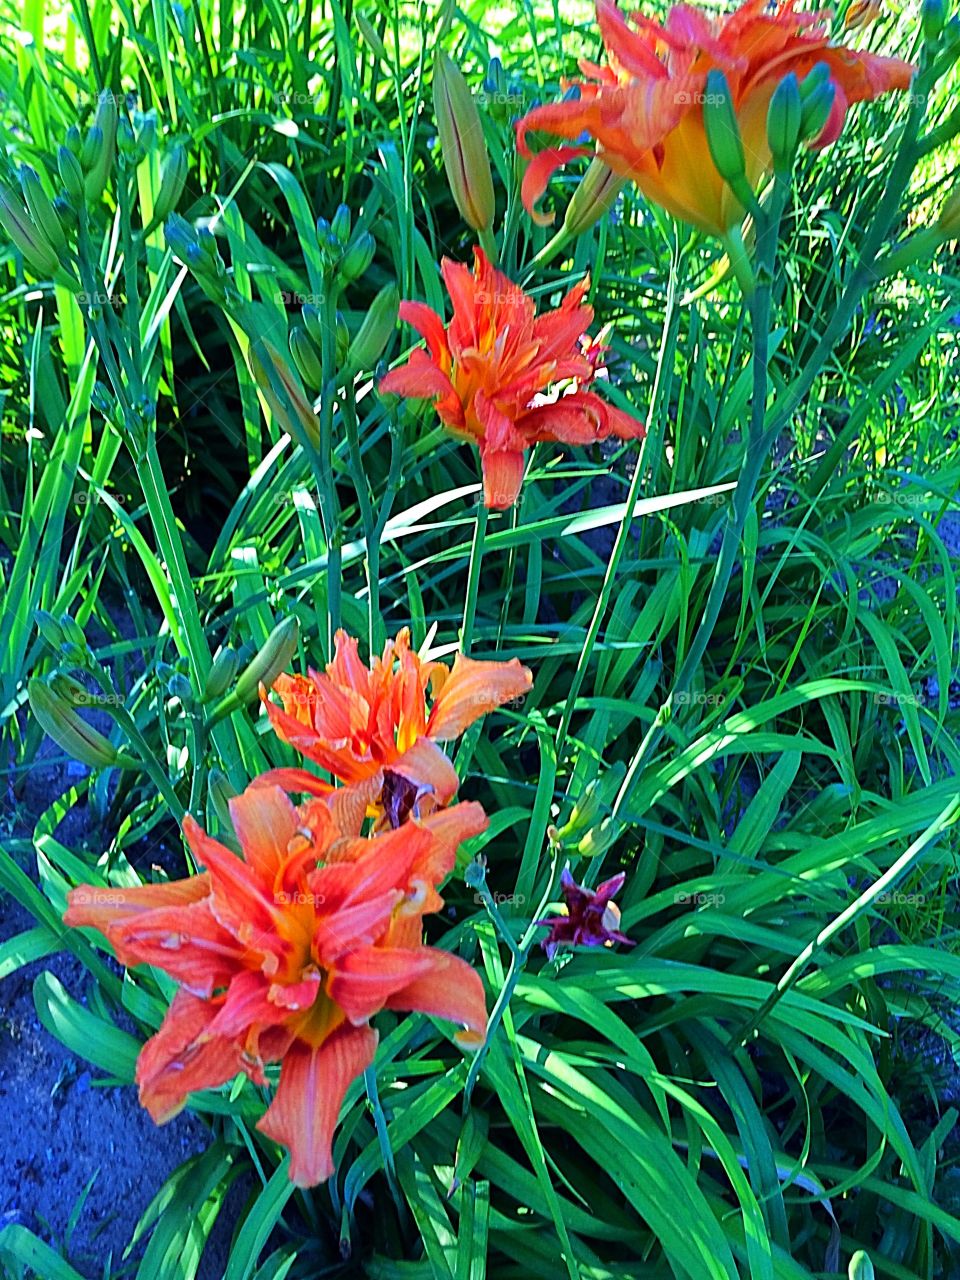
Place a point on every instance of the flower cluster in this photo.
(285, 953)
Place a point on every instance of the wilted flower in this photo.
(591, 918)
(644, 110)
(503, 377)
(284, 955)
(362, 723)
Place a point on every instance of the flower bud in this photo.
(379, 326)
(816, 110)
(281, 388)
(599, 839)
(71, 174)
(358, 257)
(933, 16)
(50, 629)
(340, 224)
(37, 251)
(462, 144)
(594, 196)
(306, 357)
(273, 658)
(371, 37)
(74, 141)
(97, 158)
(312, 322)
(40, 208)
(723, 132)
(173, 178)
(221, 674)
(783, 122)
(343, 338)
(815, 78)
(69, 731)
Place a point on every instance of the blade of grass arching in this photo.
(944, 820)
(889, 646)
(433, 1223)
(83, 1033)
(22, 1248)
(619, 1136)
(24, 948)
(182, 1217)
(259, 1224)
(764, 809)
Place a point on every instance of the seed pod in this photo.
(71, 174)
(379, 326)
(722, 129)
(221, 674)
(40, 208)
(358, 257)
(306, 357)
(69, 731)
(462, 144)
(594, 196)
(173, 178)
(783, 122)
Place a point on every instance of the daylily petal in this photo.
(449, 989)
(95, 906)
(265, 822)
(472, 689)
(418, 379)
(306, 1106)
(188, 942)
(182, 1058)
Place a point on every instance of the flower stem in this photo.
(473, 579)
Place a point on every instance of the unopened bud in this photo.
(40, 208)
(340, 224)
(69, 731)
(173, 178)
(860, 1268)
(306, 357)
(73, 140)
(462, 144)
(221, 674)
(16, 221)
(783, 122)
(599, 839)
(816, 110)
(358, 257)
(722, 129)
(598, 189)
(71, 174)
(97, 157)
(263, 668)
(379, 326)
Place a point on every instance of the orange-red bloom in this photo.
(644, 109)
(503, 377)
(284, 955)
(371, 727)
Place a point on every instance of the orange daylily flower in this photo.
(285, 954)
(503, 377)
(644, 109)
(372, 729)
